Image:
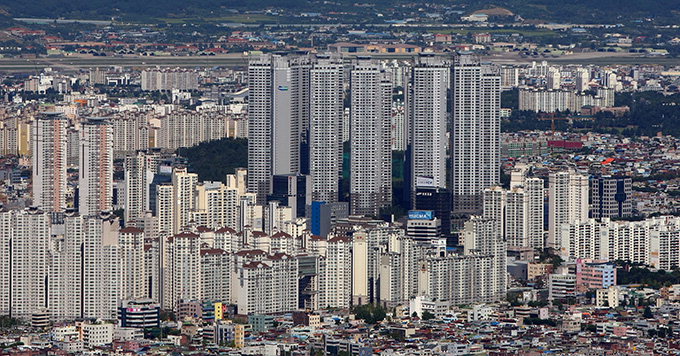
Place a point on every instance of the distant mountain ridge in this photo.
(587, 11)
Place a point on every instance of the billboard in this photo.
(420, 215)
(424, 181)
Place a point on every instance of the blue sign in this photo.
(283, 88)
(420, 215)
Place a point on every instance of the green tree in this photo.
(427, 315)
(370, 313)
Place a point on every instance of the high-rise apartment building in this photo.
(24, 238)
(509, 77)
(475, 133)
(325, 127)
(427, 115)
(371, 155)
(278, 116)
(183, 197)
(568, 202)
(582, 79)
(95, 183)
(132, 263)
(168, 79)
(481, 236)
(49, 161)
(554, 78)
(140, 169)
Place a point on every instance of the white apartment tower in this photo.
(139, 173)
(325, 127)
(183, 197)
(24, 267)
(49, 161)
(427, 99)
(335, 274)
(482, 237)
(278, 115)
(475, 133)
(132, 263)
(553, 79)
(182, 278)
(95, 182)
(568, 202)
(371, 156)
(582, 79)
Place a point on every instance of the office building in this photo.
(593, 274)
(294, 191)
(610, 197)
(437, 200)
(423, 226)
(139, 313)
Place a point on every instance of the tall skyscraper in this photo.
(49, 162)
(427, 113)
(371, 156)
(325, 127)
(475, 133)
(95, 183)
(278, 114)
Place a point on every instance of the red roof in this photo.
(225, 230)
(212, 251)
(280, 234)
(131, 230)
(255, 264)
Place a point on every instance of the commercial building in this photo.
(141, 314)
(610, 197)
